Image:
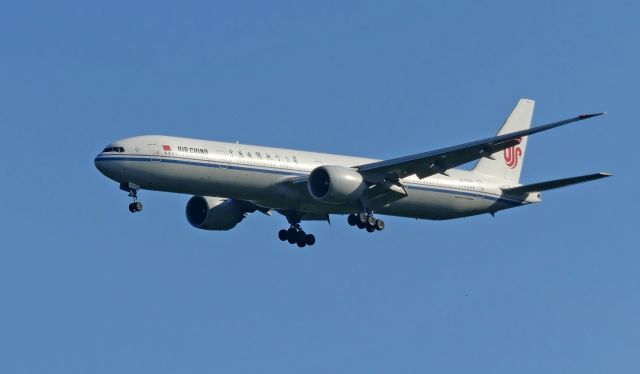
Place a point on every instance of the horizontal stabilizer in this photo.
(549, 185)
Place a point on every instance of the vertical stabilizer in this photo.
(507, 164)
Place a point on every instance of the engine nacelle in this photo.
(213, 213)
(335, 184)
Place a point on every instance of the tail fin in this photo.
(508, 163)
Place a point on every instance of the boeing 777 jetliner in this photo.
(230, 180)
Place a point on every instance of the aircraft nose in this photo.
(100, 165)
(109, 162)
(109, 168)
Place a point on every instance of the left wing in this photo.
(439, 161)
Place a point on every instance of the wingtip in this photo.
(604, 175)
(585, 116)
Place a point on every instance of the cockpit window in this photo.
(113, 149)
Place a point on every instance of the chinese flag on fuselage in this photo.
(166, 148)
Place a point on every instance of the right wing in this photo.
(439, 161)
(384, 177)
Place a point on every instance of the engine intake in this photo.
(214, 213)
(335, 184)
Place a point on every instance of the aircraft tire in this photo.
(132, 209)
(301, 236)
(352, 220)
(362, 218)
(310, 239)
(137, 206)
(379, 225)
(282, 235)
(292, 235)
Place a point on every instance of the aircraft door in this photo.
(154, 152)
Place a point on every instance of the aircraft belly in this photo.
(438, 205)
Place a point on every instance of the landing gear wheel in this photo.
(283, 235)
(132, 208)
(296, 235)
(137, 206)
(363, 218)
(292, 236)
(310, 239)
(301, 237)
(366, 220)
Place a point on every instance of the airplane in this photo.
(228, 181)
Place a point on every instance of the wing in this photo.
(439, 161)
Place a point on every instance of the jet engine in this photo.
(335, 184)
(214, 213)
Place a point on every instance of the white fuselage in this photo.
(256, 174)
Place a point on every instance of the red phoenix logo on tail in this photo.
(512, 154)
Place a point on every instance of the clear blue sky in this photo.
(86, 287)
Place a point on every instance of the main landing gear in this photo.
(132, 189)
(366, 221)
(295, 235)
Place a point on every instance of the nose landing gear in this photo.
(366, 221)
(132, 189)
(295, 235)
